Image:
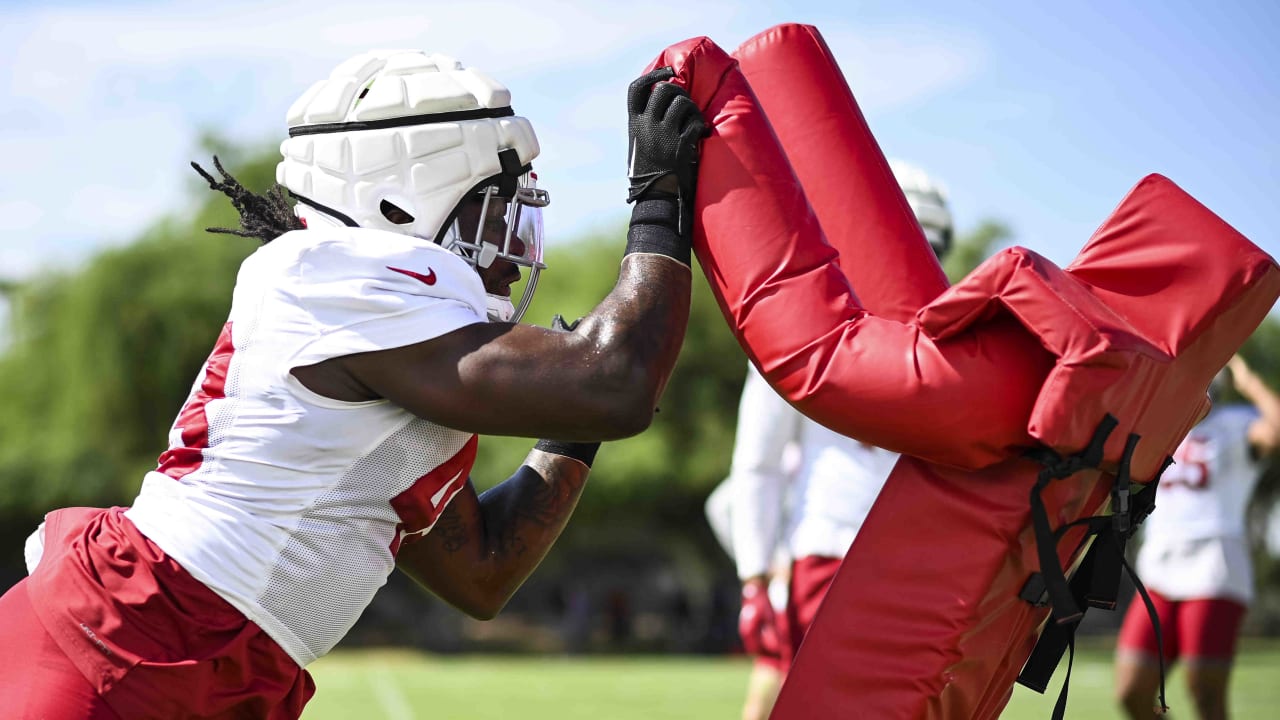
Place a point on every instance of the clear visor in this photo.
(502, 239)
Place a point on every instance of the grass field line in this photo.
(392, 699)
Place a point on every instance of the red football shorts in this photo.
(140, 633)
(810, 578)
(1203, 629)
(773, 661)
(36, 678)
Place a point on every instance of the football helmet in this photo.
(405, 141)
(928, 200)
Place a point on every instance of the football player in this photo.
(1194, 558)
(330, 436)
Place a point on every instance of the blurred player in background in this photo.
(1194, 558)
(330, 436)
(765, 459)
(807, 510)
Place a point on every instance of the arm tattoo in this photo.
(528, 511)
(451, 530)
(483, 547)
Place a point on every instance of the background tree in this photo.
(101, 357)
(970, 249)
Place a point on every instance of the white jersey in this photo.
(290, 505)
(719, 511)
(838, 482)
(1194, 542)
(1206, 491)
(764, 461)
(828, 496)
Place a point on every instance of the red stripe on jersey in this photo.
(420, 506)
(181, 460)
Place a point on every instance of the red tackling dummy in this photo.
(836, 159)
(924, 619)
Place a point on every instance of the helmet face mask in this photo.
(500, 235)
(407, 142)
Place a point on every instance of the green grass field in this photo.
(398, 685)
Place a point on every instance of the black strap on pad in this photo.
(1096, 582)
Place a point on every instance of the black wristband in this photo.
(584, 453)
(655, 228)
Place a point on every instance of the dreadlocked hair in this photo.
(265, 217)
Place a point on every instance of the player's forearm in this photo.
(635, 335)
(1255, 390)
(1268, 405)
(522, 517)
(483, 548)
(622, 353)
(639, 327)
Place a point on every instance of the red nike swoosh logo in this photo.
(429, 278)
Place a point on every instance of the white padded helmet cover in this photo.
(347, 153)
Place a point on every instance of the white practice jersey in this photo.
(290, 505)
(1206, 491)
(719, 511)
(764, 462)
(839, 480)
(1194, 542)
(827, 497)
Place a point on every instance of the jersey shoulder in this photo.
(380, 261)
(360, 290)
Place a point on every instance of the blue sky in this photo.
(1040, 116)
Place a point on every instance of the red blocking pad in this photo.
(924, 618)
(779, 285)
(863, 213)
(934, 576)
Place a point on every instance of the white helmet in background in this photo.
(1219, 385)
(928, 200)
(396, 140)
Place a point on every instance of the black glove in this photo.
(664, 128)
